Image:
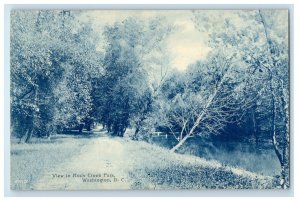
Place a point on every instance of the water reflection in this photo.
(253, 157)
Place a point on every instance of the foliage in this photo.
(46, 46)
(125, 97)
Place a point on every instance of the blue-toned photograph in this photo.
(149, 99)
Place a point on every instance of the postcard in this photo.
(149, 99)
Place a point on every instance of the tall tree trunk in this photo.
(80, 128)
(34, 116)
(137, 129)
(273, 130)
(286, 141)
(123, 131)
(24, 136)
(280, 155)
(142, 118)
(284, 156)
(254, 132)
(28, 135)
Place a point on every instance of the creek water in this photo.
(249, 156)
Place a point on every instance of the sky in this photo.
(186, 45)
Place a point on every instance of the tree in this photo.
(130, 54)
(277, 80)
(262, 43)
(209, 100)
(44, 46)
(121, 69)
(73, 98)
(74, 92)
(32, 75)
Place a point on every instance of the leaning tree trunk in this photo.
(201, 115)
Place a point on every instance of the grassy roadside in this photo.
(178, 176)
(157, 168)
(147, 166)
(30, 161)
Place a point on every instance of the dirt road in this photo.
(100, 165)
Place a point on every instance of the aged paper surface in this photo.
(149, 99)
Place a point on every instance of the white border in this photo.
(184, 5)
